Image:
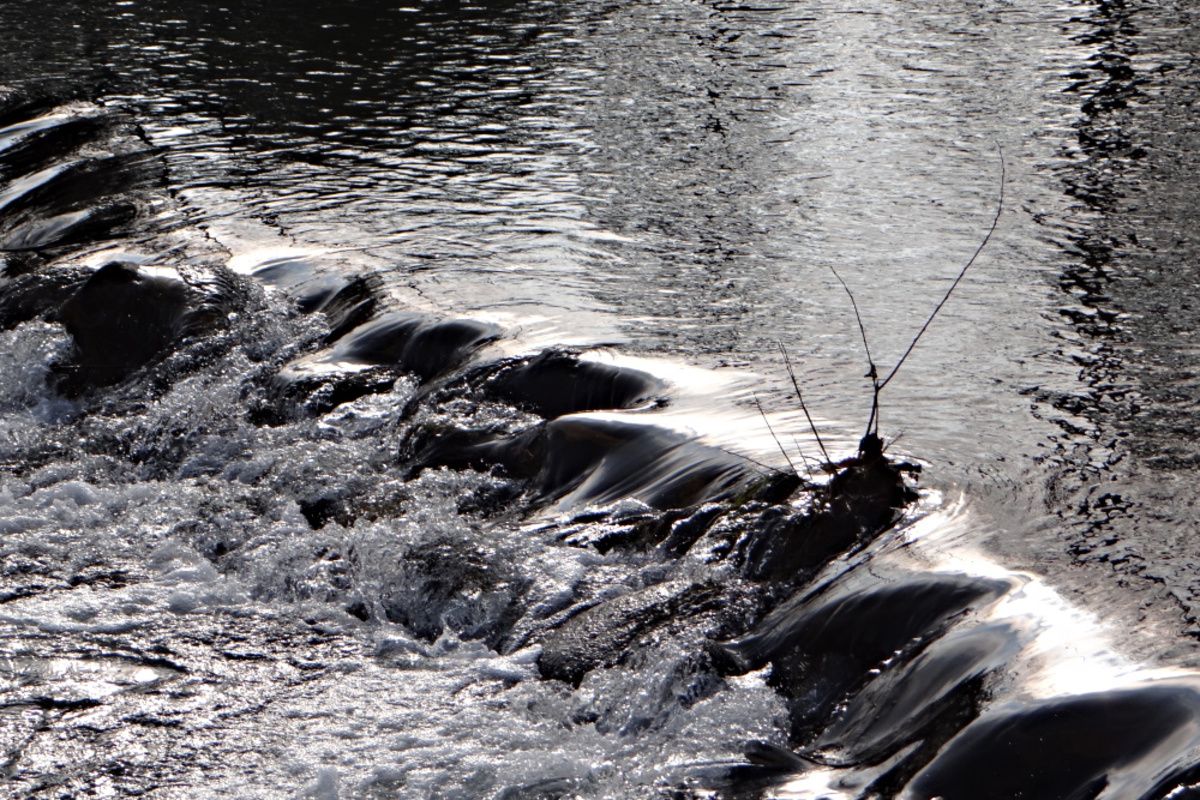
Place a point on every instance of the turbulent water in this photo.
(395, 400)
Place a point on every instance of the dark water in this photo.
(338, 554)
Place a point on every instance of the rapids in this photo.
(395, 401)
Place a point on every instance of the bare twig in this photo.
(800, 399)
(778, 443)
(858, 317)
(953, 286)
(803, 457)
(872, 373)
(758, 463)
(877, 385)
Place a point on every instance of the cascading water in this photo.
(391, 406)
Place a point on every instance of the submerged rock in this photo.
(927, 699)
(30, 290)
(516, 454)
(579, 461)
(355, 301)
(89, 223)
(864, 497)
(346, 301)
(303, 281)
(1124, 743)
(555, 383)
(598, 461)
(365, 351)
(39, 134)
(62, 187)
(413, 343)
(607, 633)
(822, 648)
(125, 316)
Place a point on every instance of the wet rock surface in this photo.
(822, 649)
(605, 634)
(555, 383)
(1112, 744)
(929, 697)
(369, 358)
(314, 496)
(132, 329)
(692, 502)
(123, 317)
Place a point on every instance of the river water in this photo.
(199, 601)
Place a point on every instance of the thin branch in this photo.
(800, 399)
(778, 443)
(953, 286)
(803, 457)
(861, 328)
(758, 463)
(872, 373)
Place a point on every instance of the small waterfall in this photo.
(269, 532)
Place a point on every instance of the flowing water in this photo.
(490, 361)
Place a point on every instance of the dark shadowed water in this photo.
(222, 585)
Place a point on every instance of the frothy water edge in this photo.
(148, 550)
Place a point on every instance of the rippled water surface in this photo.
(676, 177)
(206, 596)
